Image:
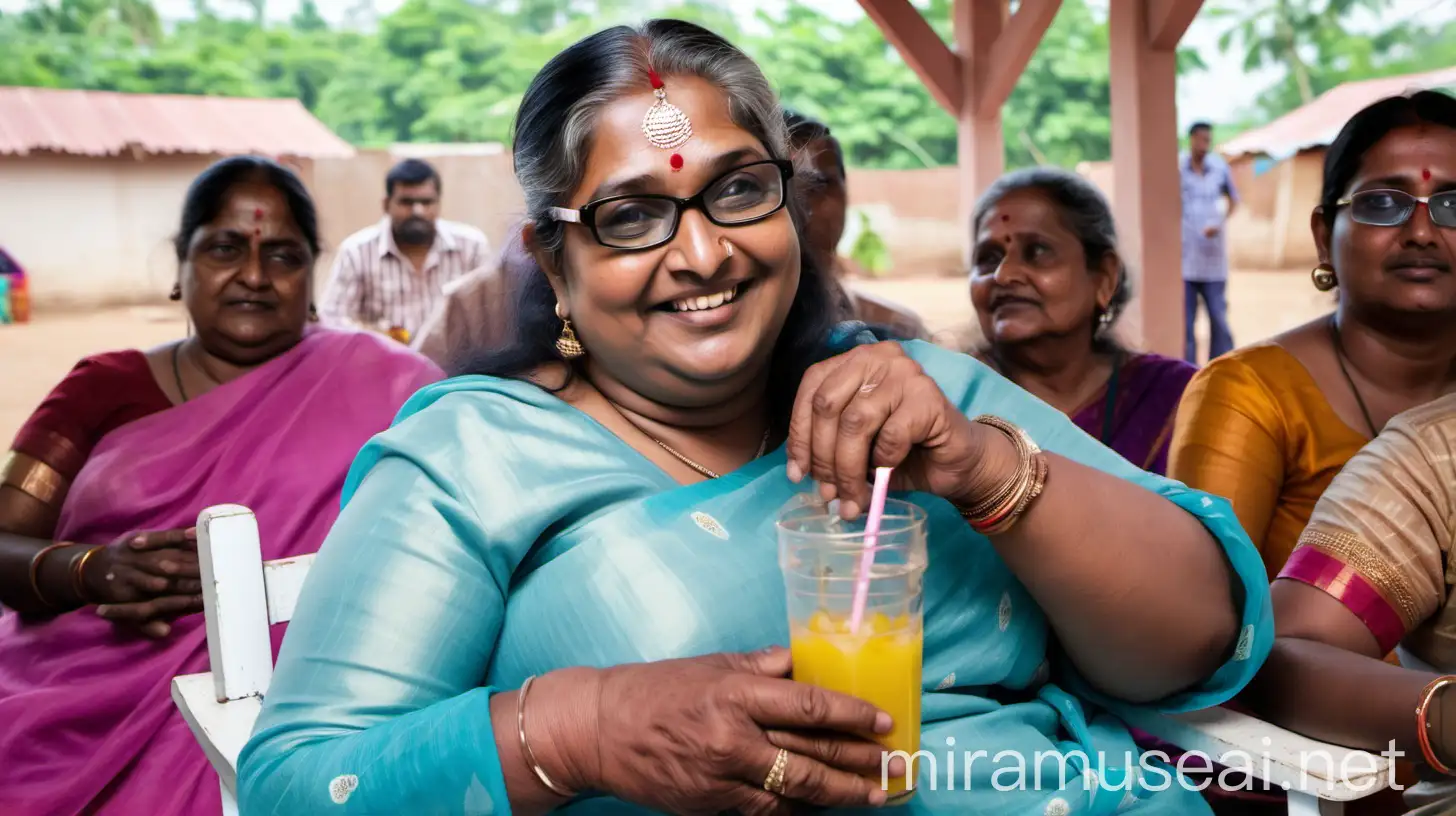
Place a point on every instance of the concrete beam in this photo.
(1168, 20)
(1012, 50)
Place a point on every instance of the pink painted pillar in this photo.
(981, 152)
(1147, 191)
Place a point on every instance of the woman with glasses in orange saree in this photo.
(1269, 425)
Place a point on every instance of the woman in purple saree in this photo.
(1048, 286)
(257, 408)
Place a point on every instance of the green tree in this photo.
(454, 70)
(1309, 39)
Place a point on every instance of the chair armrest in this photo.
(1281, 757)
(222, 729)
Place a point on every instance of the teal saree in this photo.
(496, 532)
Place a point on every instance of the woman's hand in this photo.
(700, 735)
(146, 580)
(873, 406)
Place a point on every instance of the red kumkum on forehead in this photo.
(258, 214)
(1425, 174)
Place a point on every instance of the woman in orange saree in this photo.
(1268, 426)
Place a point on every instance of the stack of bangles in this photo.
(76, 568)
(1000, 511)
(1424, 724)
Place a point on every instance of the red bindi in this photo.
(258, 214)
(1005, 218)
(676, 160)
(1425, 175)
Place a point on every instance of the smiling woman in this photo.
(555, 581)
(1049, 287)
(105, 480)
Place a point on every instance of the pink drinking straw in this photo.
(871, 540)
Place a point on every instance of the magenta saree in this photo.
(89, 725)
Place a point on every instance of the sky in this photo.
(1210, 95)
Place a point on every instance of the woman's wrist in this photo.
(561, 715)
(997, 464)
(1441, 722)
(52, 576)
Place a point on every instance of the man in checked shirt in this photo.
(1206, 179)
(391, 276)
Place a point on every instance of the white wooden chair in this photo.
(1320, 778)
(243, 595)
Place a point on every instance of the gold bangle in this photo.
(1033, 490)
(1007, 505)
(1423, 724)
(1006, 494)
(526, 745)
(35, 562)
(78, 575)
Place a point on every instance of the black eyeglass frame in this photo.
(586, 214)
(1409, 210)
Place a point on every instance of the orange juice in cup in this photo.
(880, 662)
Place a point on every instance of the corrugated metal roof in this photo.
(1318, 123)
(105, 123)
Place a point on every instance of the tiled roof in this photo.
(1318, 123)
(105, 123)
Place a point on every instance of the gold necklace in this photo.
(762, 447)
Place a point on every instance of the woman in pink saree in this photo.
(101, 489)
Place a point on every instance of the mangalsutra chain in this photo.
(762, 448)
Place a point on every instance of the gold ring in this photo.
(774, 783)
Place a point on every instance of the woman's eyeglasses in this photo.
(1391, 208)
(740, 196)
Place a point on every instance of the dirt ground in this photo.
(34, 356)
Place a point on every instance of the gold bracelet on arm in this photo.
(526, 745)
(78, 575)
(1000, 511)
(1424, 724)
(34, 478)
(35, 563)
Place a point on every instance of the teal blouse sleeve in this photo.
(977, 389)
(375, 704)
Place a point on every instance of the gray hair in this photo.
(558, 113)
(553, 137)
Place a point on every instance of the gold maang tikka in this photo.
(665, 125)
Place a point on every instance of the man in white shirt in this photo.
(1206, 182)
(391, 276)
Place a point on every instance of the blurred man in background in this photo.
(1206, 181)
(391, 277)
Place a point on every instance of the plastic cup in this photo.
(820, 556)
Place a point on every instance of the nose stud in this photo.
(727, 246)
